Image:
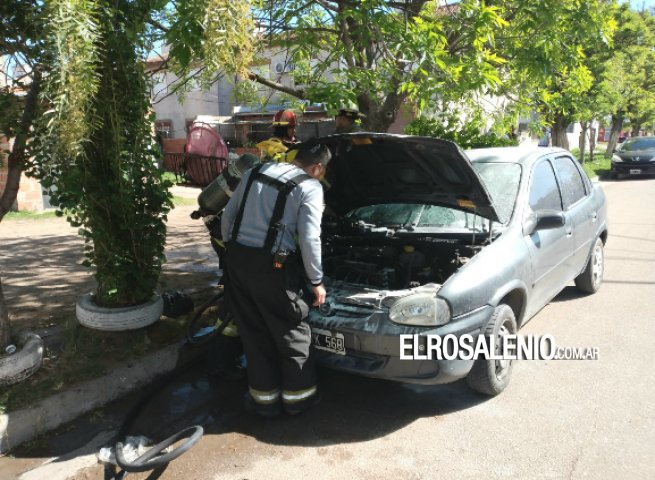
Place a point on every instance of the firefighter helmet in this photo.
(284, 118)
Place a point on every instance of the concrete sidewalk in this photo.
(42, 280)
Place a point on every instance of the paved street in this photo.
(558, 419)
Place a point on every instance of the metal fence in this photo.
(194, 170)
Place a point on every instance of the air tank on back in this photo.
(214, 197)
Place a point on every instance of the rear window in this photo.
(635, 144)
(572, 184)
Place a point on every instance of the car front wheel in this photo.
(489, 376)
(590, 279)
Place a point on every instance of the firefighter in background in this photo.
(273, 227)
(348, 120)
(283, 139)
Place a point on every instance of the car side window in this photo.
(544, 193)
(572, 184)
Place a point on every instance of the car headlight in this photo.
(617, 159)
(420, 309)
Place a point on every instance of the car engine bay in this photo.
(386, 260)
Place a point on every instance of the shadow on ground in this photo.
(43, 277)
(352, 409)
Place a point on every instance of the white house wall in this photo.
(218, 100)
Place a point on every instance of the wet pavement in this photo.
(352, 409)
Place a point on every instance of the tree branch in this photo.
(294, 92)
(158, 25)
(327, 6)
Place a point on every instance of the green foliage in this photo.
(104, 175)
(247, 93)
(74, 34)
(465, 134)
(380, 54)
(548, 44)
(11, 108)
(217, 34)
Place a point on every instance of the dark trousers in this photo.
(270, 316)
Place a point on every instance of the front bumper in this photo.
(633, 168)
(373, 346)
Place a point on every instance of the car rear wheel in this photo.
(589, 281)
(488, 376)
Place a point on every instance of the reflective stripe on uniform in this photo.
(298, 395)
(230, 329)
(264, 396)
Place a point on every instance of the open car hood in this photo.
(376, 168)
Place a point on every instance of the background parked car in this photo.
(635, 156)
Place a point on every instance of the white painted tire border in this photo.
(117, 319)
(27, 360)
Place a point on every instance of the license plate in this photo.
(332, 342)
(635, 171)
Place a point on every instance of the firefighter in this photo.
(348, 120)
(275, 206)
(283, 139)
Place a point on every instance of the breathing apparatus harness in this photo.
(274, 226)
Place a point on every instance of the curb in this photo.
(24, 425)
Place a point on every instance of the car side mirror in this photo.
(543, 220)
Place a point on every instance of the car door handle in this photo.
(569, 230)
(593, 216)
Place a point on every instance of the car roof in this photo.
(519, 155)
(649, 137)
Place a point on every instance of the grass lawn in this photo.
(85, 354)
(182, 201)
(599, 167)
(29, 215)
(177, 202)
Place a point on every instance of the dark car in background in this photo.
(420, 237)
(635, 156)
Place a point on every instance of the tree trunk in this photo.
(378, 122)
(16, 158)
(582, 142)
(4, 323)
(558, 130)
(379, 117)
(593, 135)
(15, 164)
(617, 126)
(636, 128)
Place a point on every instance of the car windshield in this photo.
(500, 179)
(635, 144)
(502, 182)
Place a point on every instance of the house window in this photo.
(164, 128)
